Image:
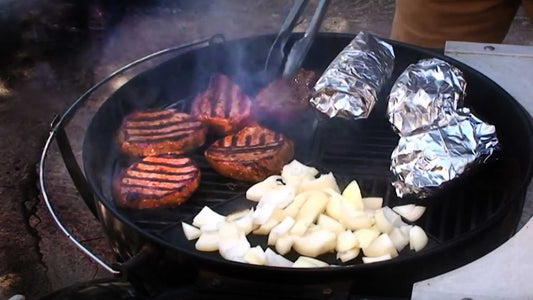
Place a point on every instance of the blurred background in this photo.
(52, 51)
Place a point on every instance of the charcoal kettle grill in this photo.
(465, 220)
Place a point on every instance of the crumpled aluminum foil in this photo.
(438, 141)
(424, 95)
(349, 86)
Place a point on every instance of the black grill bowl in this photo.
(467, 219)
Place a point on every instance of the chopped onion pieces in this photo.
(382, 223)
(295, 172)
(321, 183)
(191, 232)
(234, 249)
(255, 256)
(284, 244)
(399, 239)
(280, 229)
(300, 227)
(417, 238)
(246, 223)
(308, 215)
(329, 224)
(316, 243)
(207, 242)
(308, 262)
(313, 207)
(348, 255)
(265, 228)
(256, 191)
(355, 219)
(373, 202)
(410, 212)
(275, 260)
(334, 207)
(382, 245)
(366, 236)
(368, 260)
(352, 194)
(237, 215)
(207, 216)
(346, 240)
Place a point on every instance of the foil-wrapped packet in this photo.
(424, 161)
(424, 95)
(438, 141)
(349, 86)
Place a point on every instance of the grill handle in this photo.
(58, 131)
(74, 169)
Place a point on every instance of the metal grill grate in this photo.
(359, 152)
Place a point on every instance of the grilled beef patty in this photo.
(157, 181)
(223, 106)
(252, 154)
(284, 98)
(160, 131)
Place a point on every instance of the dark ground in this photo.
(51, 52)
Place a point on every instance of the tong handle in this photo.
(276, 52)
(301, 47)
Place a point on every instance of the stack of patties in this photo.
(165, 177)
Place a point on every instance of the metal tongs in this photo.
(299, 50)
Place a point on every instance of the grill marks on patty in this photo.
(250, 137)
(252, 142)
(160, 131)
(224, 99)
(223, 106)
(161, 127)
(251, 154)
(160, 176)
(157, 181)
(152, 115)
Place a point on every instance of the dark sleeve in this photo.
(528, 6)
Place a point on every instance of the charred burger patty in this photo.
(160, 131)
(251, 154)
(157, 181)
